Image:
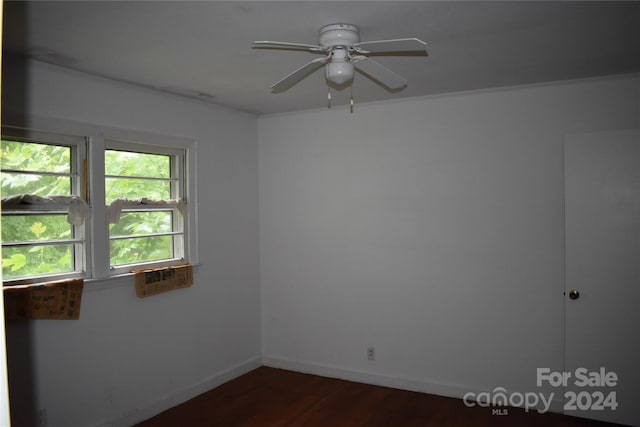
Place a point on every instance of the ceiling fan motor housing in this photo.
(339, 35)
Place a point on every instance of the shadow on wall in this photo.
(19, 335)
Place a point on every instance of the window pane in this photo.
(126, 163)
(136, 188)
(140, 223)
(141, 249)
(41, 185)
(136, 175)
(20, 228)
(36, 260)
(29, 156)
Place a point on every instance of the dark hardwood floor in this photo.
(275, 397)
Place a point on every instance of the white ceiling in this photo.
(203, 49)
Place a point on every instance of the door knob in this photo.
(574, 294)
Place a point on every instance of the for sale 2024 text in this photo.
(588, 399)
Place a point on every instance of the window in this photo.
(42, 175)
(144, 191)
(94, 206)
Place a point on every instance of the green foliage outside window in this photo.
(137, 247)
(26, 170)
(128, 175)
(34, 159)
(133, 175)
(36, 259)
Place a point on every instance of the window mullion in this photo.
(42, 173)
(144, 236)
(141, 178)
(53, 242)
(80, 232)
(99, 226)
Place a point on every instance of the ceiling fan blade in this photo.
(379, 73)
(267, 43)
(396, 45)
(299, 74)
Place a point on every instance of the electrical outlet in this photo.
(371, 353)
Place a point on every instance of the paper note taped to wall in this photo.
(158, 280)
(54, 300)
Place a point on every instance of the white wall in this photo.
(127, 358)
(430, 228)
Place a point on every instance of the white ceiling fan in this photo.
(344, 52)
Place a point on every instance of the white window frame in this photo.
(178, 191)
(79, 187)
(108, 138)
(96, 228)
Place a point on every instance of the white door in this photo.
(602, 287)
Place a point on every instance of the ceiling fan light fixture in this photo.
(340, 69)
(339, 73)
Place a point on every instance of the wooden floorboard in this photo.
(268, 397)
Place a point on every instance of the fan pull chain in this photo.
(351, 99)
(328, 97)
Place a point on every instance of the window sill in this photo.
(113, 282)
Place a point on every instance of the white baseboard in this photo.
(140, 414)
(437, 388)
